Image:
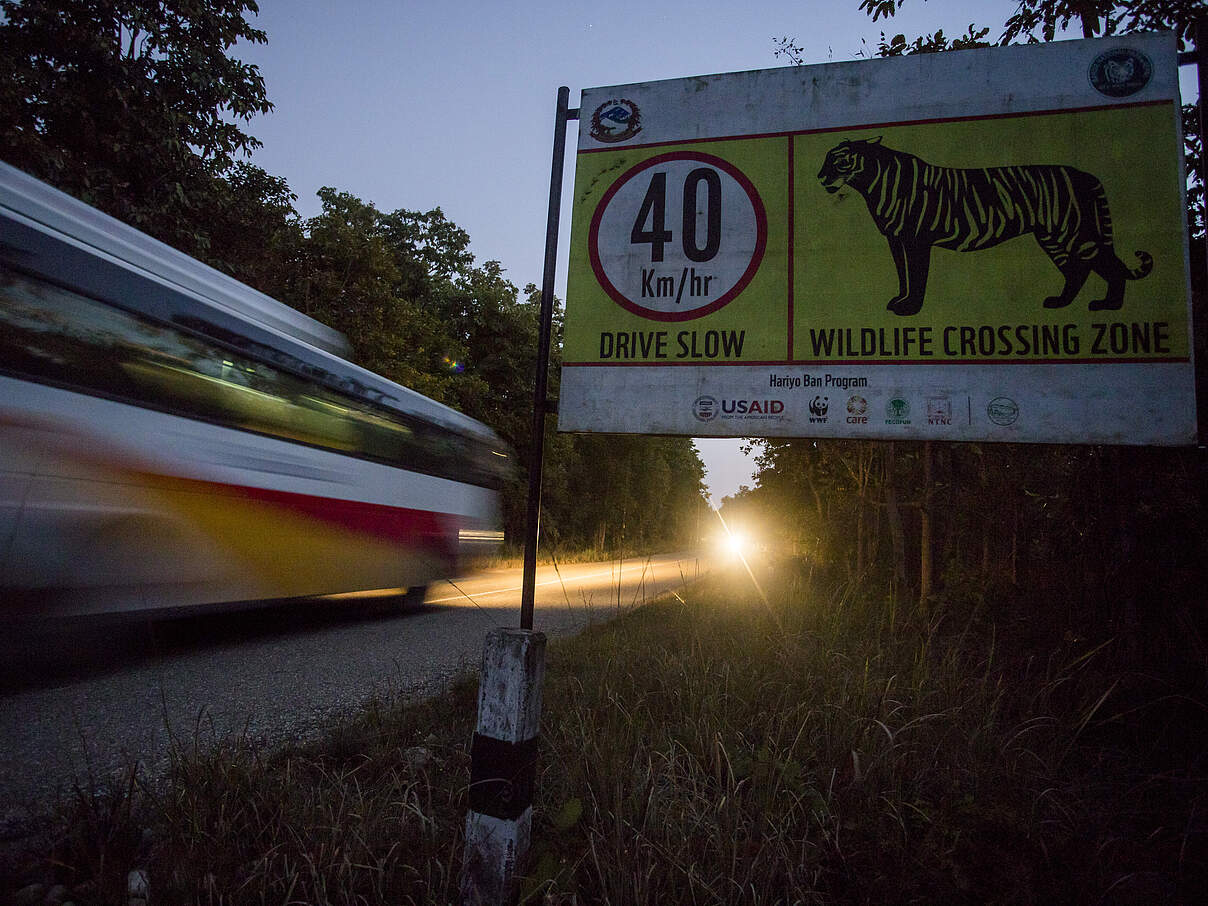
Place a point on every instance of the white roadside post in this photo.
(503, 757)
(503, 766)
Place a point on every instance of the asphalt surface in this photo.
(80, 704)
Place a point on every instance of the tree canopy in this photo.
(986, 510)
(136, 107)
(1035, 21)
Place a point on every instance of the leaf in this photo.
(570, 813)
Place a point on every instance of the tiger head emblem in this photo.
(844, 161)
(1117, 72)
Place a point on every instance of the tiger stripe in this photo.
(917, 205)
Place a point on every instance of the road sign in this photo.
(671, 261)
(976, 245)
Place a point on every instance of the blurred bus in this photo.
(171, 438)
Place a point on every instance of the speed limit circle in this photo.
(678, 236)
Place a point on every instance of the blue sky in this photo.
(423, 104)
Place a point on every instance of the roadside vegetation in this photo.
(511, 556)
(827, 746)
(967, 674)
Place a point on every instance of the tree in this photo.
(1044, 20)
(252, 228)
(1035, 21)
(352, 268)
(134, 106)
(137, 107)
(999, 514)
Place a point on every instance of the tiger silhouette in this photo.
(917, 205)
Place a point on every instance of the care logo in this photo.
(857, 409)
(705, 408)
(1120, 72)
(616, 120)
(897, 412)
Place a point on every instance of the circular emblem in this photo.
(897, 408)
(857, 405)
(1120, 72)
(677, 236)
(616, 120)
(1003, 411)
(705, 408)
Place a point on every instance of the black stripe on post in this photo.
(502, 776)
(503, 766)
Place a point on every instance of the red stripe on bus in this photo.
(413, 528)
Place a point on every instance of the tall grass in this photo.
(511, 556)
(819, 747)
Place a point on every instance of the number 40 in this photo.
(654, 209)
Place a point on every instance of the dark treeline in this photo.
(1100, 530)
(136, 107)
(1078, 555)
(1103, 528)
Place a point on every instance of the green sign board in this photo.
(981, 245)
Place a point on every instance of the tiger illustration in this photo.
(917, 205)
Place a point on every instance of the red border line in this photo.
(661, 363)
(889, 125)
(792, 262)
(761, 239)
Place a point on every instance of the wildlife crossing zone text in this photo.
(975, 245)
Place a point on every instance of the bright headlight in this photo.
(736, 543)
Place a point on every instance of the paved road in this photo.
(88, 704)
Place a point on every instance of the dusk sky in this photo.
(423, 104)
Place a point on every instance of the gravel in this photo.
(82, 705)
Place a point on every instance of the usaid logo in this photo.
(751, 407)
(705, 408)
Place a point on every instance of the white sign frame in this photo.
(1110, 401)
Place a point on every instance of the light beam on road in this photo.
(736, 544)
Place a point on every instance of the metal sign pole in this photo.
(1199, 58)
(1197, 302)
(503, 757)
(1201, 67)
(540, 384)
